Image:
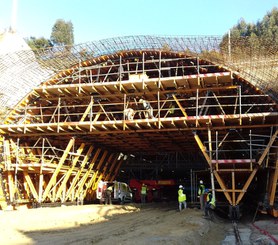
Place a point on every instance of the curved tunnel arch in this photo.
(161, 77)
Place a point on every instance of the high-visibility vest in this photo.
(210, 199)
(182, 196)
(201, 190)
(144, 190)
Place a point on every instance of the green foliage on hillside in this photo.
(261, 35)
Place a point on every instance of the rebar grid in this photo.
(21, 71)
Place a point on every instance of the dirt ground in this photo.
(110, 224)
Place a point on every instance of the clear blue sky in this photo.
(99, 19)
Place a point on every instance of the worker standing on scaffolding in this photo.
(129, 113)
(147, 106)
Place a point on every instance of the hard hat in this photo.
(180, 186)
(206, 190)
(201, 182)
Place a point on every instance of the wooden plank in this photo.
(202, 148)
(117, 169)
(88, 109)
(273, 186)
(106, 164)
(272, 139)
(69, 172)
(84, 179)
(52, 181)
(180, 106)
(223, 186)
(77, 176)
(31, 185)
(107, 177)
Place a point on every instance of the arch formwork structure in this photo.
(81, 124)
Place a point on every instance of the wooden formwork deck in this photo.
(72, 130)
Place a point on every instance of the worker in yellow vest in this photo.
(143, 193)
(181, 198)
(210, 204)
(201, 195)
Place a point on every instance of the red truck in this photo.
(157, 190)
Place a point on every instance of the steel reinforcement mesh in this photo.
(256, 61)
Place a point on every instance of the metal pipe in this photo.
(210, 159)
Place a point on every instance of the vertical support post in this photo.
(233, 189)
(143, 70)
(197, 105)
(191, 185)
(240, 109)
(210, 158)
(229, 45)
(120, 72)
(41, 174)
(124, 124)
(216, 149)
(159, 65)
(198, 70)
(79, 74)
(158, 108)
(250, 149)
(17, 162)
(91, 113)
(8, 165)
(58, 119)
(24, 120)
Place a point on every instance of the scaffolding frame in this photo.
(90, 98)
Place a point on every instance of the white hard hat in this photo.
(201, 182)
(180, 186)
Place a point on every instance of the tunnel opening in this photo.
(147, 115)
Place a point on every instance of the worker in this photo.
(143, 193)
(172, 109)
(181, 198)
(201, 192)
(147, 107)
(129, 113)
(210, 202)
(108, 195)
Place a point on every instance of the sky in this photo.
(100, 19)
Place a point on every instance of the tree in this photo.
(62, 33)
(264, 34)
(38, 43)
